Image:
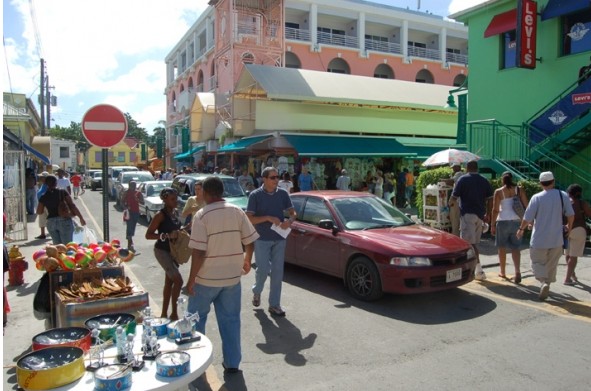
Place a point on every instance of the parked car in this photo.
(96, 181)
(88, 175)
(113, 173)
(150, 202)
(373, 246)
(127, 176)
(184, 184)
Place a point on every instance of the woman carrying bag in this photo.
(60, 211)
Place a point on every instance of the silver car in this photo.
(150, 202)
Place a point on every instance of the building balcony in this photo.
(297, 34)
(337, 39)
(382, 46)
(456, 58)
(431, 54)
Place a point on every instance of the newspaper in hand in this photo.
(284, 232)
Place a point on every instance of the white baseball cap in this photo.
(546, 176)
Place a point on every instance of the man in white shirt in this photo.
(344, 181)
(63, 182)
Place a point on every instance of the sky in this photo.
(111, 51)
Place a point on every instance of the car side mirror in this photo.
(329, 225)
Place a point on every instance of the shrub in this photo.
(426, 178)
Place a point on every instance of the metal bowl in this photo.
(66, 336)
(50, 368)
(159, 326)
(112, 378)
(172, 364)
(107, 324)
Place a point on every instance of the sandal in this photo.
(517, 278)
(256, 300)
(503, 276)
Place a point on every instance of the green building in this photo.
(534, 118)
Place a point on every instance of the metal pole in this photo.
(42, 97)
(48, 103)
(105, 196)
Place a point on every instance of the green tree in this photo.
(135, 130)
(72, 132)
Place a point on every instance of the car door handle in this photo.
(300, 230)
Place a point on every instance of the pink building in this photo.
(352, 37)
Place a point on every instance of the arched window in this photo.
(459, 80)
(338, 65)
(383, 71)
(292, 60)
(424, 76)
(247, 58)
(182, 88)
(190, 83)
(200, 81)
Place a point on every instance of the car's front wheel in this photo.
(363, 280)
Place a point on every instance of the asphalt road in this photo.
(486, 336)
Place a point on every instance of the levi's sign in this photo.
(526, 33)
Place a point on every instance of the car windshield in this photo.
(97, 174)
(138, 177)
(232, 188)
(358, 213)
(155, 189)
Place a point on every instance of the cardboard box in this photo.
(61, 278)
(75, 314)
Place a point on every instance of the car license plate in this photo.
(453, 275)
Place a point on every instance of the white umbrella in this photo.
(449, 156)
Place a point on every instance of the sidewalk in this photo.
(23, 326)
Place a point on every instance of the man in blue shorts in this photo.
(266, 207)
(475, 194)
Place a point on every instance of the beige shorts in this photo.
(43, 219)
(576, 242)
(471, 228)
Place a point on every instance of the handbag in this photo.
(179, 247)
(518, 205)
(63, 208)
(125, 215)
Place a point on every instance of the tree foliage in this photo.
(135, 130)
(72, 132)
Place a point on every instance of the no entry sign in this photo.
(104, 126)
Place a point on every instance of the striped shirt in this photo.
(220, 229)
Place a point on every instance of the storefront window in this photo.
(576, 32)
(509, 49)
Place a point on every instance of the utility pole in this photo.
(42, 97)
(47, 103)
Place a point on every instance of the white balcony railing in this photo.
(382, 46)
(297, 34)
(338, 39)
(432, 54)
(457, 58)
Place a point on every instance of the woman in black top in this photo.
(164, 226)
(60, 228)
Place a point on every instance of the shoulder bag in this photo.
(179, 247)
(518, 205)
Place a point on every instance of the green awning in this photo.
(340, 146)
(189, 153)
(424, 147)
(243, 143)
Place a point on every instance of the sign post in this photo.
(104, 126)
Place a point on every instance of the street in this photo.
(486, 335)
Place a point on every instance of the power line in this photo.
(36, 29)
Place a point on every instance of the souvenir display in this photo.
(67, 336)
(185, 326)
(151, 347)
(159, 325)
(130, 357)
(50, 368)
(172, 364)
(97, 352)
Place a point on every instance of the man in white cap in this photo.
(545, 211)
(343, 182)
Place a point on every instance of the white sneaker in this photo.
(480, 276)
(544, 291)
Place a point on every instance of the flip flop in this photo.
(503, 276)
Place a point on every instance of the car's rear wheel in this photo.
(363, 279)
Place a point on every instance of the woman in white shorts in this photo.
(578, 234)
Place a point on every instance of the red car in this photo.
(373, 246)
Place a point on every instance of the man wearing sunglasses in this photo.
(266, 207)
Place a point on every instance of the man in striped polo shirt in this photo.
(219, 231)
